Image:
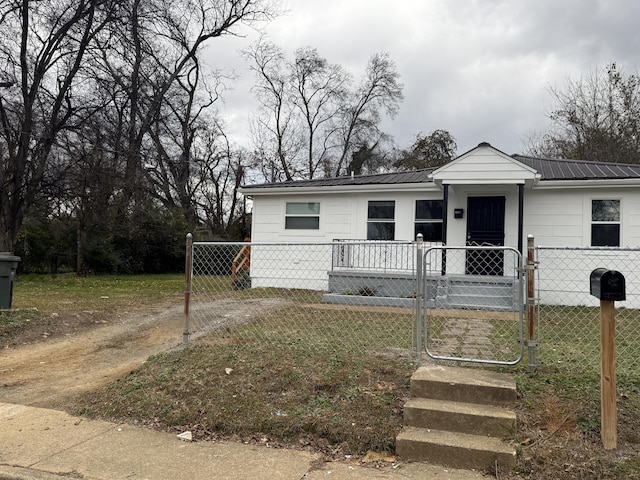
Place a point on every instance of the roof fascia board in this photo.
(556, 184)
(511, 181)
(341, 189)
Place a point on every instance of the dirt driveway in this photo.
(76, 352)
(70, 353)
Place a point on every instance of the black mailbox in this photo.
(607, 285)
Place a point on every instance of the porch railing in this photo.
(374, 255)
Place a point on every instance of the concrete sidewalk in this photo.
(37, 443)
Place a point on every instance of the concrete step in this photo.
(456, 450)
(459, 417)
(467, 385)
(501, 290)
(476, 302)
(481, 300)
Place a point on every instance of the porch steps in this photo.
(482, 302)
(458, 417)
(475, 292)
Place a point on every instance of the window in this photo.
(380, 220)
(605, 223)
(429, 214)
(302, 216)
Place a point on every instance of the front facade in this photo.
(484, 197)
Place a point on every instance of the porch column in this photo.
(445, 208)
(520, 216)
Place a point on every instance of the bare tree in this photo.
(56, 54)
(42, 52)
(275, 131)
(312, 120)
(166, 42)
(183, 122)
(378, 92)
(595, 118)
(88, 180)
(222, 171)
(319, 91)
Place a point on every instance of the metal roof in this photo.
(556, 169)
(549, 169)
(415, 176)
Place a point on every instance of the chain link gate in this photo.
(470, 305)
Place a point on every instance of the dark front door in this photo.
(485, 227)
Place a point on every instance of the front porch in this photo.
(384, 273)
(478, 292)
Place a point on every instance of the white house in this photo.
(483, 197)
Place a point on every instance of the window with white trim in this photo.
(302, 216)
(381, 220)
(605, 223)
(429, 214)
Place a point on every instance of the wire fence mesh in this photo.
(294, 295)
(473, 300)
(569, 316)
(360, 297)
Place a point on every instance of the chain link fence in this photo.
(360, 297)
(568, 326)
(302, 295)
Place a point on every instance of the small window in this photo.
(381, 220)
(429, 214)
(302, 216)
(605, 223)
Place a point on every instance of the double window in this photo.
(302, 216)
(605, 223)
(381, 220)
(429, 214)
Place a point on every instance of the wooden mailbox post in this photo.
(609, 287)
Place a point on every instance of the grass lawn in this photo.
(50, 294)
(339, 399)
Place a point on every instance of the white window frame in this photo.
(375, 220)
(288, 215)
(417, 221)
(593, 222)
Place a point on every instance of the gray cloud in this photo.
(480, 69)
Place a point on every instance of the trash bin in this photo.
(8, 267)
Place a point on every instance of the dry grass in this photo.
(339, 404)
(334, 401)
(559, 429)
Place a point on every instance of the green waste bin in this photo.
(8, 267)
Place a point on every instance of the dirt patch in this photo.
(71, 353)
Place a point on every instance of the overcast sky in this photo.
(479, 69)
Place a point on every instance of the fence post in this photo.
(188, 274)
(532, 343)
(608, 409)
(419, 290)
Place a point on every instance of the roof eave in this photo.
(383, 187)
(582, 183)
